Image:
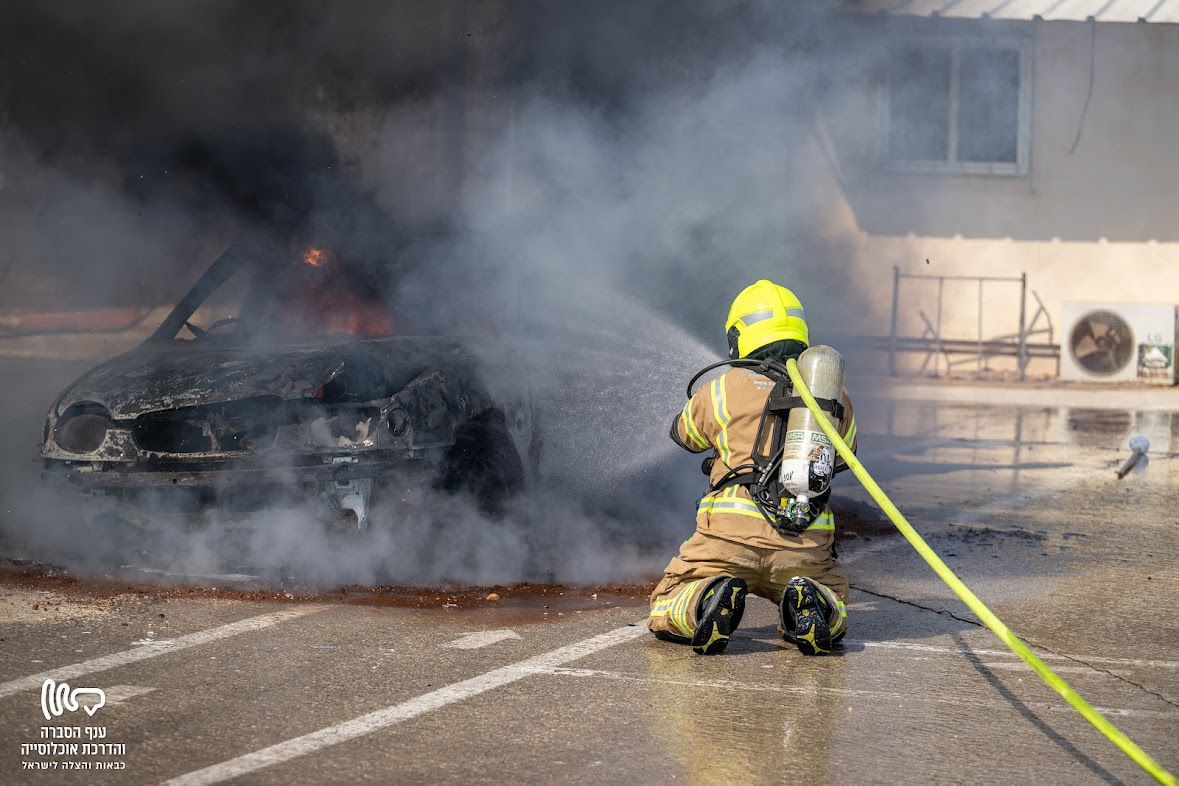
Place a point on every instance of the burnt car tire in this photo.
(484, 463)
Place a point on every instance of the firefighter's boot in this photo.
(808, 618)
(718, 613)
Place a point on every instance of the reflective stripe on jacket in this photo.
(723, 416)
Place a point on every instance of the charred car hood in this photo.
(165, 375)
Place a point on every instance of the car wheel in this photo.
(484, 462)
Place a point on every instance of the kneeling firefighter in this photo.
(764, 525)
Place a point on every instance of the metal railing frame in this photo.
(935, 345)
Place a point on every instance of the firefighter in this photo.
(735, 549)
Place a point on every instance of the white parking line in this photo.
(117, 694)
(396, 713)
(154, 650)
(956, 700)
(479, 639)
(904, 645)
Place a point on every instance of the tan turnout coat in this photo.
(723, 416)
(732, 537)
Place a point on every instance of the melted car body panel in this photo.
(330, 417)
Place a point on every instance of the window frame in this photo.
(952, 166)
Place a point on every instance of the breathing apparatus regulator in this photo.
(793, 461)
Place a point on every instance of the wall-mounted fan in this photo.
(1102, 343)
(1118, 342)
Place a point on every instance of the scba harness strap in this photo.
(760, 478)
(829, 405)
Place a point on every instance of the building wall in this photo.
(1098, 223)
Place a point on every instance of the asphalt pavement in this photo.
(1021, 501)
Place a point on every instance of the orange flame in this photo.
(316, 257)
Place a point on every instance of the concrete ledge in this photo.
(1139, 398)
(99, 320)
(85, 335)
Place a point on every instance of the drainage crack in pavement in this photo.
(859, 588)
(1030, 642)
(1116, 676)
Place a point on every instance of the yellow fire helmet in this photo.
(763, 313)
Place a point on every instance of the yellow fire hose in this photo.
(1111, 732)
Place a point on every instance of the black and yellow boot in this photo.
(718, 613)
(807, 617)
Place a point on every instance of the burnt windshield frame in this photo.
(240, 257)
(231, 261)
(260, 264)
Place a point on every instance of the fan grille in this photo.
(1102, 343)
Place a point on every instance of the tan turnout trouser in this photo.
(732, 536)
(705, 556)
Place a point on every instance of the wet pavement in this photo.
(1022, 502)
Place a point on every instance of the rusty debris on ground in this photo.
(33, 576)
(855, 519)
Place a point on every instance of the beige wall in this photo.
(1097, 224)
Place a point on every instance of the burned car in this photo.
(304, 393)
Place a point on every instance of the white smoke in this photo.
(598, 247)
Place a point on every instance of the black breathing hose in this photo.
(761, 366)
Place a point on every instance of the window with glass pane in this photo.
(919, 109)
(954, 105)
(988, 105)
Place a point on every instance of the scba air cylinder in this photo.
(808, 457)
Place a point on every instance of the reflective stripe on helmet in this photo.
(758, 316)
(764, 313)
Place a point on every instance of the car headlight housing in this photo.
(398, 422)
(81, 430)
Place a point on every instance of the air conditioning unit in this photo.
(1119, 342)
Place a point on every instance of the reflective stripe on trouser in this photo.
(766, 571)
(676, 611)
(727, 501)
